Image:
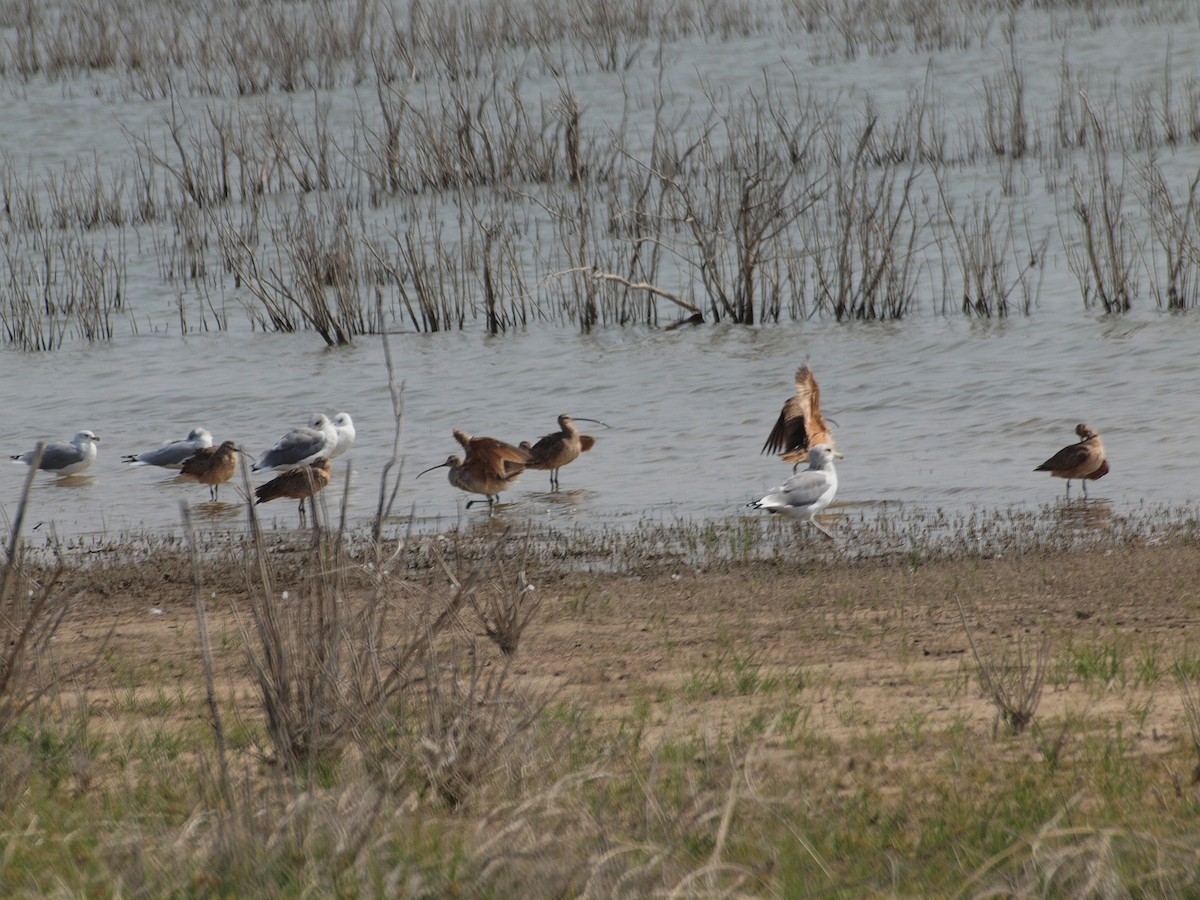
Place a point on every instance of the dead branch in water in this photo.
(638, 286)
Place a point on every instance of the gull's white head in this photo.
(344, 426)
(820, 456)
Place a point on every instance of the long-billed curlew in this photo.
(172, 454)
(212, 466)
(800, 424)
(299, 483)
(65, 457)
(1084, 459)
(553, 451)
(301, 445)
(489, 467)
(806, 493)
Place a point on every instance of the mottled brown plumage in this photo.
(212, 466)
(299, 483)
(1084, 460)
(489, 467)
(800, 424)
(555, 450)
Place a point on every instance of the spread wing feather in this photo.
(800, 424)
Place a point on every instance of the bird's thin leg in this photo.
(303, 517)
(1068, 488)
(817, 525)
(1083, 481)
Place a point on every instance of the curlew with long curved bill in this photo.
(65, 457)
(806, 493)
(1084, 459)
(800, 424)
(299, 483)
(212, 466)
(553, 451)
(489, 467)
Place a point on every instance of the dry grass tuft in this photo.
(1013, 685)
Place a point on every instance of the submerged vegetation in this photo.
(359, 166)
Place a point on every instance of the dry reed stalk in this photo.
(210, 690)
(32, 608)
(985, 256)
(1175, 228)
(387, 498)
(1005, 124)
(866, 266)
(1104, 257)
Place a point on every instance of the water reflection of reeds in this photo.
(1084, 515)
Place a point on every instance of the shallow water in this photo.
(941, 414)
(932, 412)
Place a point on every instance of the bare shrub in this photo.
(1175, 228)
(506, 604)
(863, 235)
(1004, 121)
(326, 668)
(32, 607)
(736, 201)
(59, 284)
(984, 247)
(470, 717)
(316, 280)
(1104, 253)
(1012, 678)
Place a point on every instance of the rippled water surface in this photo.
(936, 411)
(941, 414)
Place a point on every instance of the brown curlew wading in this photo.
(489, 467)
(1084, 459)
(553, 451)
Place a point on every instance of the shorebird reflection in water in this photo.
(1084, 459)
(299, 483)
(555, 450)
(489, 467)
(212, 466)
(800, 424)
(806, 493)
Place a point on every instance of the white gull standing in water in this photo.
(63, 457)
(344, 426)
(807, 492)
(301, 446)
(172, 454)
